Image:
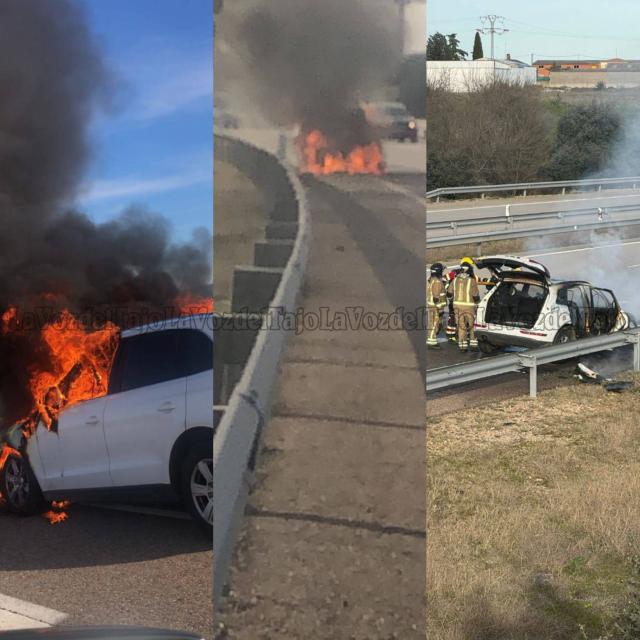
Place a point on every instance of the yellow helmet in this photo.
(466, 260)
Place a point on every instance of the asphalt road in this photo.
(400, 157)
(110, 567)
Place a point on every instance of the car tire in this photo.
(566, 334)
(414, 140)
(486, 347)
(19, 487)
(197, 485)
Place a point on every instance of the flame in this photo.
(54, 517)
(189, 304)
(317, 157)
(5, 453)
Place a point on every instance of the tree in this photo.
(477, 47)
(498, 133)
(441, 47)
(453, 48)
(588, 142)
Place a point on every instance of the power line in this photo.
(492, 29)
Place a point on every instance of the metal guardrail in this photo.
(525, 187)
(445, 377)
(238, 435)
(487, 236)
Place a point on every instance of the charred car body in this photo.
(528, 308)
(149, 439)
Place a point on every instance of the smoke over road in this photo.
(311, 63)
(53, 80)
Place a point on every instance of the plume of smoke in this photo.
(52, 81)
(310, 63)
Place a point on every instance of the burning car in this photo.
(528, 308)
(148, 438)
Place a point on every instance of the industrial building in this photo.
(468, 75)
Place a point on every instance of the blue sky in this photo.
(155, 147)
(546, 28)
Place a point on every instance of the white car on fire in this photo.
(149, 439)
(528, 308)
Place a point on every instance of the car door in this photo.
(605, 310)
(75, 457)
(146, 408)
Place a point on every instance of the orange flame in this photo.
(54, 517)
(188, 304)
(317, 157)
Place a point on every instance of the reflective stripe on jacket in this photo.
(435, 293)
(464, 290)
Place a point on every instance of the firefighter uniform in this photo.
(436, 301)
(465, 294)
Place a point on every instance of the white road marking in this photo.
(530, 204)
(393, 186)
(147, 511)
(602, 246)
(19, 614)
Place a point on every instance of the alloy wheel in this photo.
(201, 485)
(17, 481)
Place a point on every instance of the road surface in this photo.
(106, 567)
(334, 538)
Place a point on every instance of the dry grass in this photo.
(240, 220)
(533, 515)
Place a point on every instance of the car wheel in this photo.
(197, 485)
(19, 486)
(566, 334)
(486, 347)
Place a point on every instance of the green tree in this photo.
(453, 48)
(441, 47)
(586, 139)
(437, 47)
(477, 47)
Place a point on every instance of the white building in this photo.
(467, 75)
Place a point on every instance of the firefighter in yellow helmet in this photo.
(466, 296)
(436, 302)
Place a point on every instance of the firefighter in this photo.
(451, 319)
(466, 296)
(436, 301)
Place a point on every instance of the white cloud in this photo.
(132, 187)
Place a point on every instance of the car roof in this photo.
(201, 321)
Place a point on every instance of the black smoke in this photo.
(311, 63)
(53, 80)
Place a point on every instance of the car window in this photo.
(196, 350)
(148, 358)
(602, 299)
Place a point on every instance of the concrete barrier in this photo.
(238, 435)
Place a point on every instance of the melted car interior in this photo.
(516, 303)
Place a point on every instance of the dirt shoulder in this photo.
(533, 515)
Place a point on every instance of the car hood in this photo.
(497, 264)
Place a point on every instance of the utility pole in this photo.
(491, 21)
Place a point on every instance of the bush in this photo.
(585, 141)
(491, 135)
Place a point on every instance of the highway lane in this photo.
(400, 157)
(612, 264)
(110, 567)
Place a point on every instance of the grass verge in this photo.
(534, 517)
